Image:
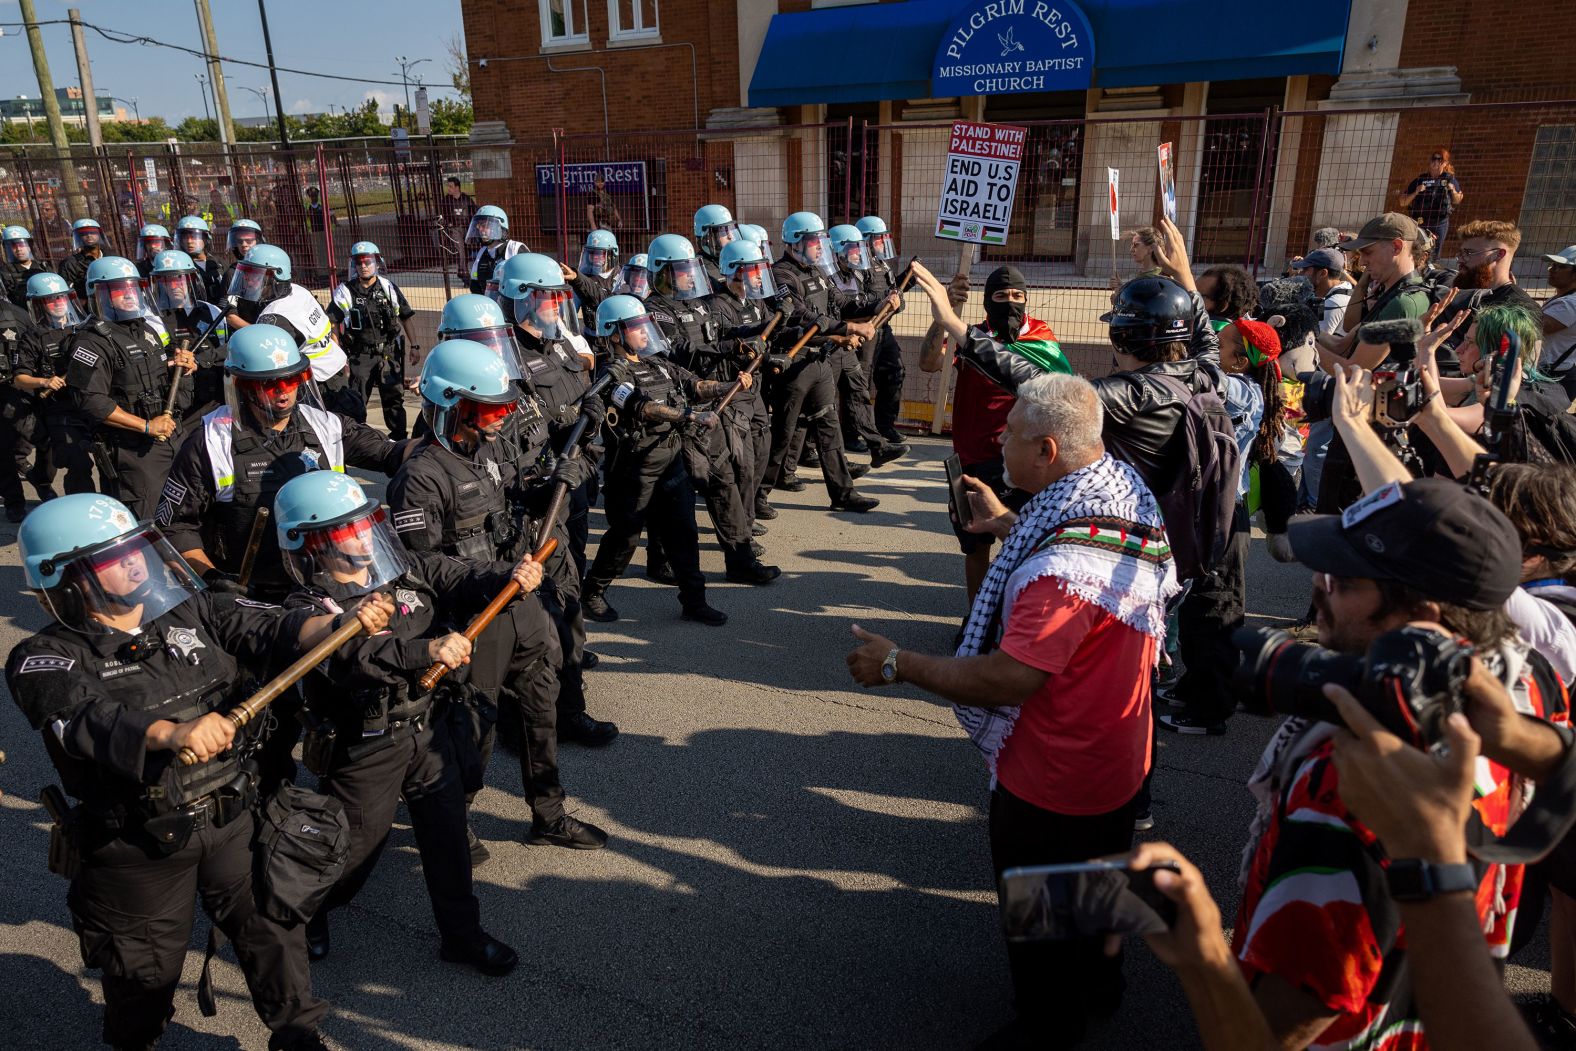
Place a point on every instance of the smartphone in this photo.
(1084, 900)
(957, 493)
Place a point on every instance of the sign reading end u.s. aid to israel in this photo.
(981, 180)
(1005, 46)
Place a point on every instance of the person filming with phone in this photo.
(1057, 650)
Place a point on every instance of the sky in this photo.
(358, 38)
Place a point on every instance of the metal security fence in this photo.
(1252, 187)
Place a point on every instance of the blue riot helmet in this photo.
(86, 233)
(743, 261)
(263, 276)
(714, 227)
(115, 288)
(267, 375)
(193, 235)
(675, 270)
(96, 569)
(151, 240)
(804, 234)
(848, 244)
(366, 262)
(173, 281)
(244, 235)
(599, 257)
(757, 234)
(333, 538)
(489, 225)
(624, 323)
(880, 238)
(481, 320)
(543, 304)
(466, 393)
(633, 277)
(51, 303)
(18, 243)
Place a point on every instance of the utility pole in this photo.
(85, 78)
(221, 94)
(72, 185)
(273, 74)
(202, 82)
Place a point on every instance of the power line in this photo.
(119, 37)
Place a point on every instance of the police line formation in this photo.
(225, 591)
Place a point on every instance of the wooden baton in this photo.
(248, 709)
(433, 675)
(738, 384)
(254, 542)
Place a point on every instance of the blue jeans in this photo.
(1319, 435)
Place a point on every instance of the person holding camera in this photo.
(1322, 948)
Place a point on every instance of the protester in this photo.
(1228, 292)
(1559, 321)
(1144, 245)
(1433, 195)
(1052, 678)
(1485, 280)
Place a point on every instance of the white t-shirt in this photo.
(1563, 310)
(1335, 309)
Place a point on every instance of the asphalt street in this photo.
(795, 862)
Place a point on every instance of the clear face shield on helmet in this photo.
(242, 239)
(267, 401)
(349, 558)
(120, 299)
(467, 424)
(717, 236)
(755, 279)
(58, 310)
(550, 313)
(87, 237)
(498, 340)
(855, 255)
(641, 337)
(633, 281)
(815, 250)
(139, 572)
(174, 291)
(252, 284)
(148, 247)
(193, 242)
(363, 267)
(683, 279)
(484, 228)
(597, 262)
(19, 250)
(882, 246)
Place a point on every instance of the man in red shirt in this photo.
(1052, 678)
(980, 403)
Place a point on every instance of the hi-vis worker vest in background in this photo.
(218, 429)
(308, 317)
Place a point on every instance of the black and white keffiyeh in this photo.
(1099, 532)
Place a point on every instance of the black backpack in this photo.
(303, 839)
(1201, 500)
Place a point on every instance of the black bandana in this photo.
(1006, 319)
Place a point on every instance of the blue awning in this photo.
(881, 51)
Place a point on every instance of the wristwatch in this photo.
(889, 667)
(1415, 880)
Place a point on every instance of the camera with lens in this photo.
(1398, 395)
(1411, 680)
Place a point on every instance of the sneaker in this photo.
(791, 483)
(704, 614)
(568, 832)
(1167, 696)
(858, 470)
(580, 728)
(756, 529)
(594, 606)
(856, 503)
(1144, 822)
(662, 573)
(1183, 723)
(886, 453)
(765, 511)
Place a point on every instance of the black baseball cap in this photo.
(1433, 535)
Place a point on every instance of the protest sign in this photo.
(980, 181)
(1168, 180)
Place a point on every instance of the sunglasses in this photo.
(1436, 157)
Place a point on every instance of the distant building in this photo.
(72, 110)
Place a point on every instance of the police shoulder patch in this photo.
(45, 662)
(254, 604)
(86, 356)
(406, 521)
(174, 491)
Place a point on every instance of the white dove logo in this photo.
(1008, 44)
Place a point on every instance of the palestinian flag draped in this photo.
(1037, 343)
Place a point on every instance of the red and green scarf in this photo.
(1037, 343)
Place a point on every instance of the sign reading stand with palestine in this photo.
(980, 181)
(997, 47)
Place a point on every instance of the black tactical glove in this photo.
(574, 471)
(595, 410)
(778, 363)
(223, 583)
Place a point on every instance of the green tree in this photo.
(451, 117)
(197, 129)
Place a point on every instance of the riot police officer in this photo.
(151, 240)
(378, 736)
(648, 483)
(140, 662)
(176, 287)
(714, 228)
(558, 366)
(243, 236)
(372, 317)
(87, 243)
(19, 262)
(757, 235)
(593, 277)
(194, 236)
(453, 496)
(882, 357)
(489, 230)
(718, 458)
(17, 421)
(262, 293)
(807, 385)
(853, 386)
(118, 377)
(633, 277)
(61, 439)
(744, 306)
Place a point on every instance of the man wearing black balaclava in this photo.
(1004, 314)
